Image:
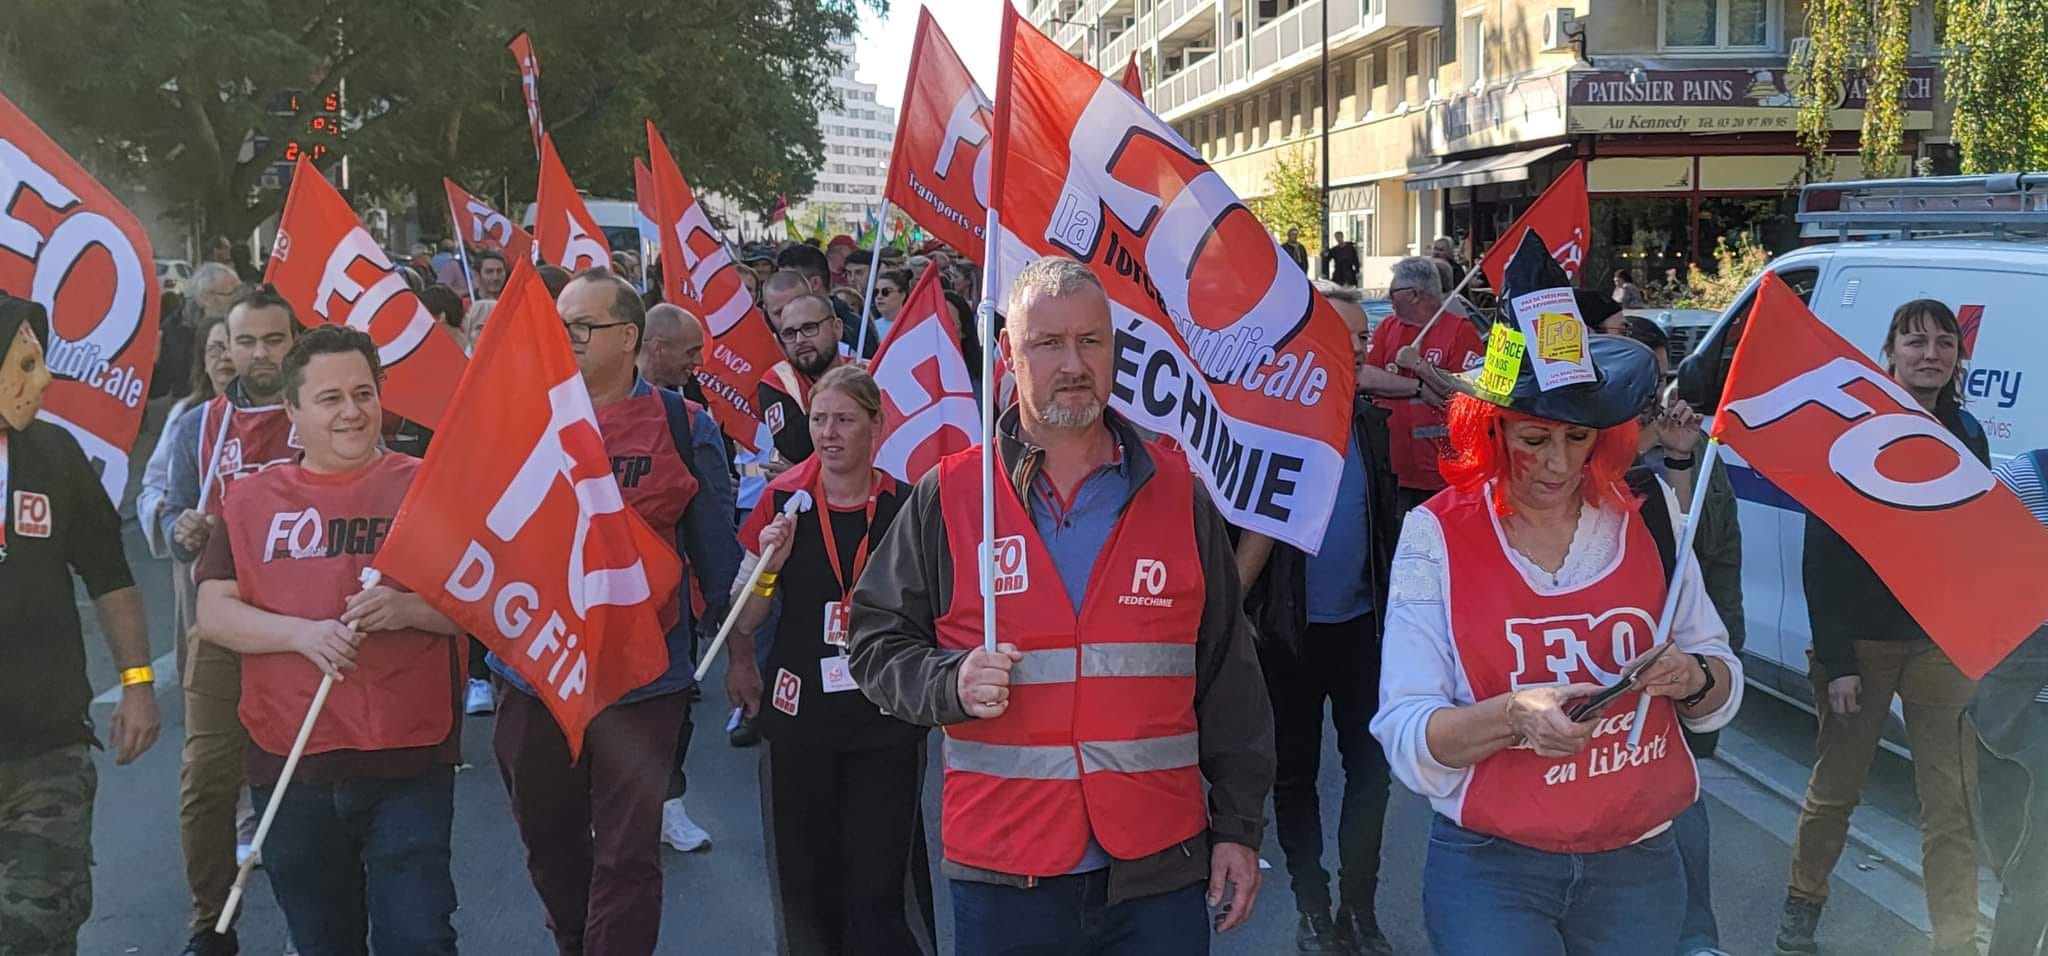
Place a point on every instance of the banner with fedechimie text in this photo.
(1220, 340)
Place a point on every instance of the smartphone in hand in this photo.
(1590, 708)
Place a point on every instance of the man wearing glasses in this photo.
(1417, 416)
(809, 332)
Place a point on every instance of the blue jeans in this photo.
(362, 865)
(1694, 840)
(1483, 895)
(1069, 916)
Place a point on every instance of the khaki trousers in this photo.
(210, 782)
(1943, 743)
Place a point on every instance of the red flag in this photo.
(928, 405)
(1220, 340)
(515, 527)
(1817, 418)
(1132, 82)
(1560, 212)
(939, 172)
(529, 84)
(697, 270)
(329, 268)
(643, 192)
(481, 227)
(781, 209)
(568, 235)
(66, 243)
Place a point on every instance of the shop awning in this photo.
(1481, 171)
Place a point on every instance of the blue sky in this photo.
(974, 26)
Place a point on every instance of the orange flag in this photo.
(331, 270)
(529, 84)
(568, 235)
(928, 405)
(1561, 211)
(481, 227)
(1220, 340)
(698, 273)
(1818, 419)
(939, 171)
(515, 527)
(66, 243)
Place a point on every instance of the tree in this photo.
(194, 97)
(1293, 199)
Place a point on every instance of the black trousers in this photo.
(1340, 664)
(846, 850)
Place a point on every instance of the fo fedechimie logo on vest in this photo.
(1148, 579)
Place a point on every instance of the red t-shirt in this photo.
(1453, 346)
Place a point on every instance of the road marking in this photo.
(165, 667)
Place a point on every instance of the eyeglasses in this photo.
(804, 331)
(579, 332)
(886, 290)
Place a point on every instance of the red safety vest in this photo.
(1100, 737)
(1511, 637)
(235, 443)
(300, 541)
(652, 475)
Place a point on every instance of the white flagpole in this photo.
(867, 302)
(461, 249)
(989, 451)
(1693, 511)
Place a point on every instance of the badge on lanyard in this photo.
(789, 690)
(837, 676)
(837, 616)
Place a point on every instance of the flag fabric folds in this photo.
(928, 404)
(478, 226)
(529, 84)
(332, 270)
(568, 235)
(940, 163)
(1562, 215)
(1818, 419)
(515, 527)
(69, 245)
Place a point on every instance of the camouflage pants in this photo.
(46, 850)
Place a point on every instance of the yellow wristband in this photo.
(764, 591)
(768, 578)
(138, 675)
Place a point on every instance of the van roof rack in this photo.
(1995, 206)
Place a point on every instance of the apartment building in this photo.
(1448, 117)
(858, 137)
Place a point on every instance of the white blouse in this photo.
(1419, 670)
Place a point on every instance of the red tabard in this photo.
(1100, 737)
(235, 443)
(300, 541)
(1415, 427)
(1510, 637)
(652, 476)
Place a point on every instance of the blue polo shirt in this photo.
(1336, 575)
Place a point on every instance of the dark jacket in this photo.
(1846, 601)
(1277, 602)
(1718, 545)
(896, 658)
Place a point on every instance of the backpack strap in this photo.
(1656, 512)
(679, 430)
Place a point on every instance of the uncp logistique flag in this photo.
(1220, 340)
(515, 527)
(66, 243)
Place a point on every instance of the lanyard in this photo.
(860, 549)
(6, 508)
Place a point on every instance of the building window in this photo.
(1472, 47)
(1716, 24)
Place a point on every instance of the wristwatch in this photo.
(1705, 689)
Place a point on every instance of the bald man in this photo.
(673, 348)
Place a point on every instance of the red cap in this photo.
(842, 241)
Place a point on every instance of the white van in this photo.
(1977, 243)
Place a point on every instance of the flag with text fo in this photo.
(939, 170)
(1220, 340)
(1818, 419)
(529, 84)
(69, 245)
(479, 227)
(568, 235)
(515, 527)
(1562, 214)
(928, 405)
(698, 273)
(331, 270)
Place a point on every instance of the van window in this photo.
(1706, 372)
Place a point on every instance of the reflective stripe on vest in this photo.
(1060, 763)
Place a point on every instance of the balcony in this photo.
(1117, 52)
(1183, 18)
(1194, 81)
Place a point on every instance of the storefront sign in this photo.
(1719, 101)
(1523, 111)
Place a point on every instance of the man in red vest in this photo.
(360, 845)
(809, 333)
(1075, 817)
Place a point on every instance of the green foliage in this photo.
(1734, 266)
(1293, 199)
(1998, 55)
(169, 91)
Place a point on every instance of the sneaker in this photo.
(1361, 934)
(206, 942)
(678, 831)
(1795, 928)
(243, 852)
(1317, 934)
(480, 699)
(743, 734)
